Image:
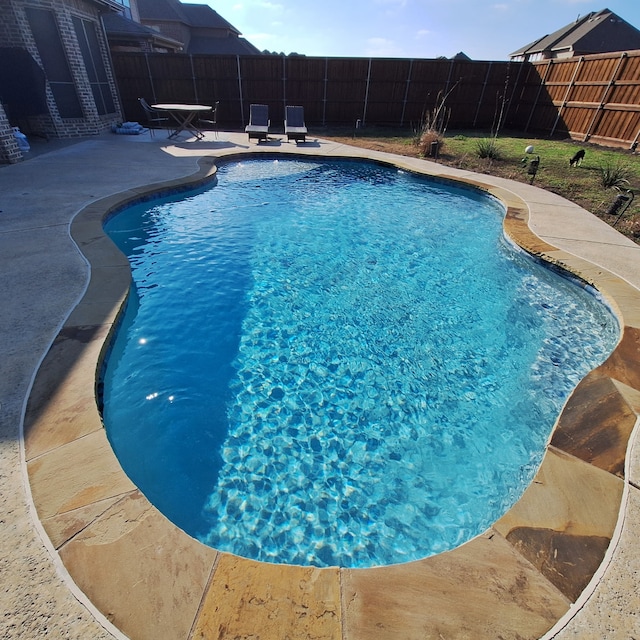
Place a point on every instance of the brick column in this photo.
(9, 151)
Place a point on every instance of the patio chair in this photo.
(294, 125)
(153, 117)
(211, 120)
(258, 126)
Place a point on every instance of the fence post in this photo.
(406, 93)
(515, 86)
(153, 89)
(240, 90)
(366, 95)
(284, 84)
(600, 109)
(566, 95)
(484, 87)
(193, 79)
(451, 64)
(541, 86)
(324, 97)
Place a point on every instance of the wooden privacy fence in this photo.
(589, 98)
(594, 98)
(333, 91)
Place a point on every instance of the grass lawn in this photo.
(582, 185)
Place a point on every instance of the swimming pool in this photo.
(338, 418)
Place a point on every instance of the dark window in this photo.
(94, 63)
(126, 8)
(45, 33)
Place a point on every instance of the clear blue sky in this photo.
(483, 29)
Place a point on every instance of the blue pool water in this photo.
(338, 363)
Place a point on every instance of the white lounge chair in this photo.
(258, 126)
(294, 125)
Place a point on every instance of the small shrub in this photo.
(614, 174)
(488, 148)
(427, 139)
(433, 124)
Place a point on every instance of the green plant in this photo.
(614, 174)
(488, 148)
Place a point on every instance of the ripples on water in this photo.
(338, 363)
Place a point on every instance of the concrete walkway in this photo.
(43, 276)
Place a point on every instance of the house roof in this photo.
(202, 15)
(222, 46)
(597, 32)
(170, 10)
(117, 25)
(192, 15)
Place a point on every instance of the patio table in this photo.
(184, 115)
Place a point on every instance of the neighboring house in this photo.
(55, 72)
(597, 32)
(198, 27)
(125, 34)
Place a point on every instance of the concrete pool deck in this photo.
(85, 555)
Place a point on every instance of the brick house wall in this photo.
(9, 151)
(15, 31)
